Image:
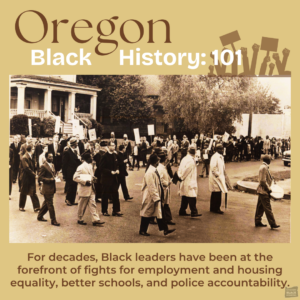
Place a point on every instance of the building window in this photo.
(14, 100)
(28, 99)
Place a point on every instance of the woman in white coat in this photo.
(188, 187)
(153, 195)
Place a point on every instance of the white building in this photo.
(44, 95)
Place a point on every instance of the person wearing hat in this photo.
(188, 187)
(84, 176)
(218, 179)
(47, 176)
(71, 162)
(122, 157)
(153, 195)
(109, 167)
(15, 146)
(264, 190)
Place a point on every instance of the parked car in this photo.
(286, 157)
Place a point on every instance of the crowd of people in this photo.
(95, 170)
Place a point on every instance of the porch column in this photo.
(48, 100)
(93, 106)
(21, 100)
(71, 104)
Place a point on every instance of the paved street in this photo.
(235, 226)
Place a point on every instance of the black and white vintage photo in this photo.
(149, 159)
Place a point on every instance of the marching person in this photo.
(80, 144)
(136, 156)
(27, 180)
(128, 150)
(113, 139)
(166, 182)
(188, 187)
(109, 168)
(54, 149)
(97, 158)
(153, 195)
(218, 180)
(122, 157)
(15, 146)
(175, 152)
(267, 145)
(86, 191)
(205, 159)
(71, 162)
(47, 176)
(24, 146)
(264, 190)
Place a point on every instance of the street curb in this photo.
(250, 190)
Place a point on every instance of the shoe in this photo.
(54, 223)
(197, 215)
(166, 232)
(144, 233)
(37, 209)
(218, 212)
(68, 202)
(171, 223)
(153, 222)
(75, 204)
(21, 209)
(98, 223)
(184, 215)
(201, 176)
(275, 226)
(118, 214)
(260, 225)
(42, 219)
(129, 198)
(106, 214)
(81, 222)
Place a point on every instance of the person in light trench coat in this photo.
(218, 180)
(166, 182)
(188, 187)
(152, 195)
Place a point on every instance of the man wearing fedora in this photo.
(264, 190)
(47, 176)
(71, 162)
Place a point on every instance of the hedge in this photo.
(19, 125)
(36, 126)
(48, 126)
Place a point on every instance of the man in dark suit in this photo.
(24, 146)
(122, 157)
(70, 165)
(80, 144)
(15, 146)
(54, 149)
(47, 176)
(27, 179)
(11, 163)
(38, 151)
(109, 167)
(97, 158)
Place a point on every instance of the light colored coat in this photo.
(151, 194)
(187, 171)
(217, 174)
(83, 190)
(165, 180)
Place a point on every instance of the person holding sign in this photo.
(84, 176)
(264, 190)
